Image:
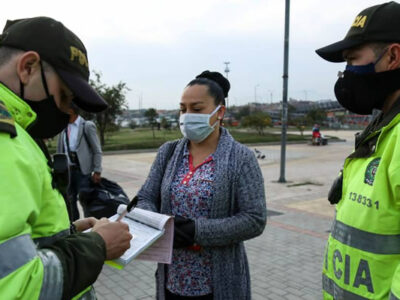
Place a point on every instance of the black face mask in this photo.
(50, 120)
(360, 93)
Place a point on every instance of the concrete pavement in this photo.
(285, 261)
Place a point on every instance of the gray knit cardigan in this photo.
(238, 212)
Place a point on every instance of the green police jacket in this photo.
(362, 256)
(39, 258)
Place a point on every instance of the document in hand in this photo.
(153, 236)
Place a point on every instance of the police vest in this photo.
(363, 249)
(33, 214)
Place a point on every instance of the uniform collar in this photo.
(18, 108)
(367, 140)
(389, 119)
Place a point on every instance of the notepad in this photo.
(153, 236)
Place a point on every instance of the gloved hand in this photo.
(184, 230)
(335, 193)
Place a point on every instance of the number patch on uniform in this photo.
(363, 200)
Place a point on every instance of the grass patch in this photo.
(127, 139)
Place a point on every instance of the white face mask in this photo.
(196, 127)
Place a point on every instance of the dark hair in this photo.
(6, 53)
(378, 48)
(218, 85)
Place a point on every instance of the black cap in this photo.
(379, 23)
(62, 49)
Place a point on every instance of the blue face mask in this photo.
(196, 127)
(365, 69)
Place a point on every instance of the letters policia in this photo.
(43, 67)
(362, 259)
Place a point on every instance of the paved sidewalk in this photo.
(285, 261)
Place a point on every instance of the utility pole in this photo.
(227, 70)
(285, 92)
(270, 94)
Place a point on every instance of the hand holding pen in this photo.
(129, 208)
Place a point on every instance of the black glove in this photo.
(335, 193)
(184, 230)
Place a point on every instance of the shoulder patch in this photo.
(371, 170)
(6, 121)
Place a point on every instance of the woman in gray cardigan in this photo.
(214, 187)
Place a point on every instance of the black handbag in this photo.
(102, 199)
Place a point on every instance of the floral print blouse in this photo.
(190, 273)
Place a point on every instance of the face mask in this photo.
(50, 120)
(196, 127)
(360, 89)
(361, 93)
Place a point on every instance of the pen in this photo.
(129, 208)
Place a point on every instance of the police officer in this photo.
(43, 67)
(362, 259)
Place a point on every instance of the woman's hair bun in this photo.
(217, 78)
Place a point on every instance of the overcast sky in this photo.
(157, 47)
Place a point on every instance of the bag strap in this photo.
(170, 152)
(84, 132)
(84, 136)
(234, 178)
(67, 142)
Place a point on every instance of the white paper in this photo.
(147, 217)
(161, 250)
(153, 235)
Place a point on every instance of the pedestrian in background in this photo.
(214, 188)
(80, 143)
(362, 259)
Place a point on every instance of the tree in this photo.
(132, 124)
(291, 110)
(257, 121)
(151, 115)
(242, 112)
(115, 97)
(165, 124)
(316, 116)
(300, 123)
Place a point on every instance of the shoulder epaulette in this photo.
(6, 121)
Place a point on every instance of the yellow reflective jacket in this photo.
(363, 249)
(33, 215)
